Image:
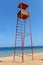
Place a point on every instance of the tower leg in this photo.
(31, 37)
(23, 51)
(31, 46)
(14, 52)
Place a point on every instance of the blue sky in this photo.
(8, 13)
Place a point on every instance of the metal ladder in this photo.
(20, 36)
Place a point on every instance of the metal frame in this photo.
(22, 35)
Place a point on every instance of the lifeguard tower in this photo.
(22, 15)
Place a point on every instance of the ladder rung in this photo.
(19, 26)
(20, 34)
(20, 29)
(21, 23)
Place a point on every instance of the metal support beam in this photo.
(31, 36)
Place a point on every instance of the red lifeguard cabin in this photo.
(22, 13)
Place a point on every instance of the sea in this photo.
(9, 51)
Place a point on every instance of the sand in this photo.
(38, 60)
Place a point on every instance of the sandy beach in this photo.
(38, 60)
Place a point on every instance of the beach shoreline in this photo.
(8, 60)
